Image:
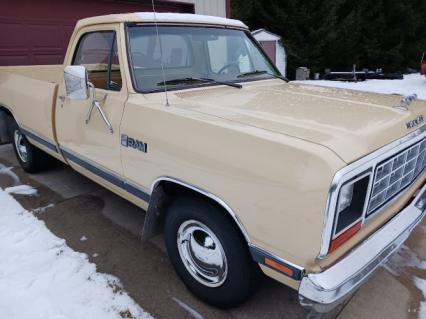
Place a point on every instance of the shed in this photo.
(37, 32)
(273, 46)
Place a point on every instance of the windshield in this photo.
(192, 55)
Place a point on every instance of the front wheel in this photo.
(209, 254)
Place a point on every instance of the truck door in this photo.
(89, 137)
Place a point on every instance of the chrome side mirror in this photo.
(76, 82)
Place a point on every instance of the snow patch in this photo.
(8, 172)
(83, 238)
(21, 190)
(41, 210)
(404, 258)
(42, 278)
(412, 83)
(421, 284)
(397, 265)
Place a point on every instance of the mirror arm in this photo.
(89, 113)
(107, 122)
(96, 103)
(92, 87)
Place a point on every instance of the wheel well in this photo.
(6, 110)
(164, 193)
(6, 119)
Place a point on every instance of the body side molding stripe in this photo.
(43, 141)
(115, 180)
(110, 177)
(135, 190)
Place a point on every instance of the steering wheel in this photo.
(228, 66)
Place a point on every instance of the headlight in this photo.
(345, 197)
(350, 208)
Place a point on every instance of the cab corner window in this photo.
(97, 51)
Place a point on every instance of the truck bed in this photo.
(48, 73)
(31, 87)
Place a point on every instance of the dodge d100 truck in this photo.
(244, 173)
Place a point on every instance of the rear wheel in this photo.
(31, 159)
(209, 254)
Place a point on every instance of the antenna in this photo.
(161, 54)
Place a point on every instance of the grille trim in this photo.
(396, 173)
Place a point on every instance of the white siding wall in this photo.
(209, 7)
(281, 59)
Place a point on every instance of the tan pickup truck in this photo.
(186, 117)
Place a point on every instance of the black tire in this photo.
(243, 273)
(36, 160)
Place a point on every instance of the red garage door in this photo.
(37, 32)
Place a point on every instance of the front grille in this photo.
(395, 174)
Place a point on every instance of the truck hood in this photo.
(350, 123)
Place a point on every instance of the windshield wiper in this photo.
(260, 72)
(194, 79)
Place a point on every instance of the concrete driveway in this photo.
(74, 208)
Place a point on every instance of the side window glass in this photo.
(115, 81)
(97, 51)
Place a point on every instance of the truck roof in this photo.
(150, 17)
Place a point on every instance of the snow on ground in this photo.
(421, 284)
(21, 190)
(42, 278)
(412, 83)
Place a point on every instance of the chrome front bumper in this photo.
(323, 291)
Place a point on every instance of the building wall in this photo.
(36, 32)
(211, 7)
(218, 8)
(281, 59)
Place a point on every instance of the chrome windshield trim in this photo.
(368, 162)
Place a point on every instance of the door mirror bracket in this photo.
(97, 104)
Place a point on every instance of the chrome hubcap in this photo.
(21, 149)
(202, 253)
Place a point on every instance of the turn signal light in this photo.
(284, 269)
(337, 242)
